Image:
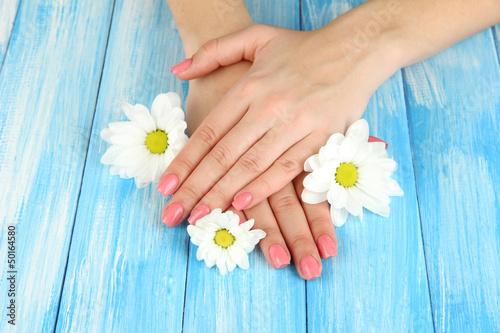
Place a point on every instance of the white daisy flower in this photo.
(351, 173)
(223, 241)
(143, 147)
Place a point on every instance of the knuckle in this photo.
(266, 186)
(285, 203)
(217, 195)
(250, 86)
(185, 164)
(208, 135)
(250, 163)
(190, 192)
(300, 241)
(287, 166)
(221, 156)
(210, 46)
(320, 221)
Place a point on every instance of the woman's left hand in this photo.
(300, 89)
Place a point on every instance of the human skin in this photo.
(301, 88)
(294, 229)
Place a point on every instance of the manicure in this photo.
(168, 184)
(198, 213)
(172, 215)
(375, 139)
(182, 66)
(309, 267)
(242, 201)
(326, 247)
(278, 256)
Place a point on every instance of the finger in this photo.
(224, 51)
(281, 172)
(273, 245)
(320, 222)
(248, 167)
(213, 167)
(294, 228)
(226, 114)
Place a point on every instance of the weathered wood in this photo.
(48, 91)
(8, 11)
(378, 281)
(126, 269)
(453, 102)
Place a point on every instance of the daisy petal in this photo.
(337, 196)
(239, 256)
(310, 164)
(359, 130)
(339, 216)
(140, 115)
(313, 197)
(316, 184)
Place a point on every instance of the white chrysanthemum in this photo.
(143, 147)
(351, 173)
(223, 241)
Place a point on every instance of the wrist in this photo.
(194, 33)
(367, 40)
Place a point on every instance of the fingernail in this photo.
(172, 215)
(309, 267)
(375, 139)
(198, 213)
(326, 247)
(168, 184)
(182, 66)
(278, 256)
(242, 201)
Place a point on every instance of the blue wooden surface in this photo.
(48, 89)
(93, 255)
(454, 108)
(378, 282)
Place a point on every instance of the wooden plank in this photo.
(48, 90)
(126, 270)
(8, 11)
(496, 36)
(378, 281)
(262, 299)
(454, 106)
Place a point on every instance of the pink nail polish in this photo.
(172, 215)
(198, 213)
(182, 66)
(278, 256)
(375, 139)
(242, 201)
(168, 184)
(326, 247)
(309, 267)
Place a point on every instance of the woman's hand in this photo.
(300, 89)
(294, 229)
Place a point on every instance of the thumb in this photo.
(224, 51)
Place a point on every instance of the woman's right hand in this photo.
(294, 229)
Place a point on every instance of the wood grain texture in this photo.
(8, 11)
(262, 299)
(496, 36)
(48, 89)
(378, 282)
(453, 102)
(127, 270)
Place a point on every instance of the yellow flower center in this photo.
(157, 142)
(346, 175)
(223, 238)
